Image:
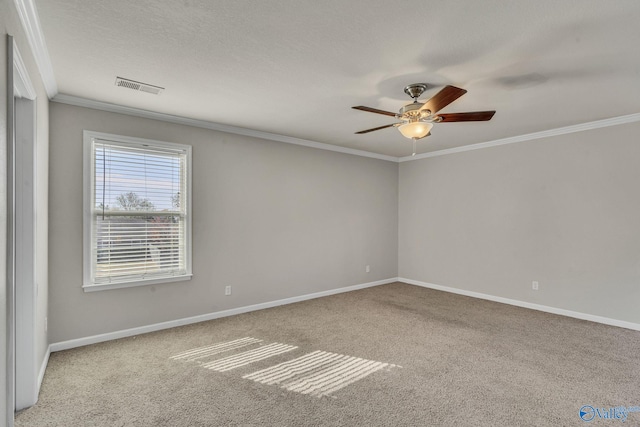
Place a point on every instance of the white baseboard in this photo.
(43, 368)
(539, 307)
(79, 342)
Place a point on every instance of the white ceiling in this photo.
(295, 67)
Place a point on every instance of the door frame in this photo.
(22, 375)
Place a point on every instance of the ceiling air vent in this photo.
(142, 87)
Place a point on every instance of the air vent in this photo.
(142, 87)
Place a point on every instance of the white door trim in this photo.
(27, 367)
(10, 367)
(21, 209)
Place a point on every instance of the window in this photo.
(137, 211)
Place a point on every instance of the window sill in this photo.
(120, 285)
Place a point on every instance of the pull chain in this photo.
(414, 146)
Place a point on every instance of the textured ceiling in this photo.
(295, 67)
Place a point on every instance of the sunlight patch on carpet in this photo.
(319, 373)
(247, 357)
(211, 350)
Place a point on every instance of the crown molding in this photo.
(114, 108)
(31, 25)
(614, 121)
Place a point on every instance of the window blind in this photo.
(139, 212)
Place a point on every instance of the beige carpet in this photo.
(393, 355)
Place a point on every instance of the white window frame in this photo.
(89, 205)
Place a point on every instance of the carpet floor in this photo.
(392, 355)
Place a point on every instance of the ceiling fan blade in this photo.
(378, 128)
(476, 116)
(443, 98)
(374, 110)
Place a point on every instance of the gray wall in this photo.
(563, 211)
(10, 24)
(273, 220)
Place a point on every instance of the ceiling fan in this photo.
(417, 118)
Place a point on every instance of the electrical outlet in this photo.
(367, 269)
(46, 324)
(227, 290)
(534, 285)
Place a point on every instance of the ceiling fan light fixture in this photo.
(415, 130)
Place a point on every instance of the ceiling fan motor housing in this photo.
(411, 112)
